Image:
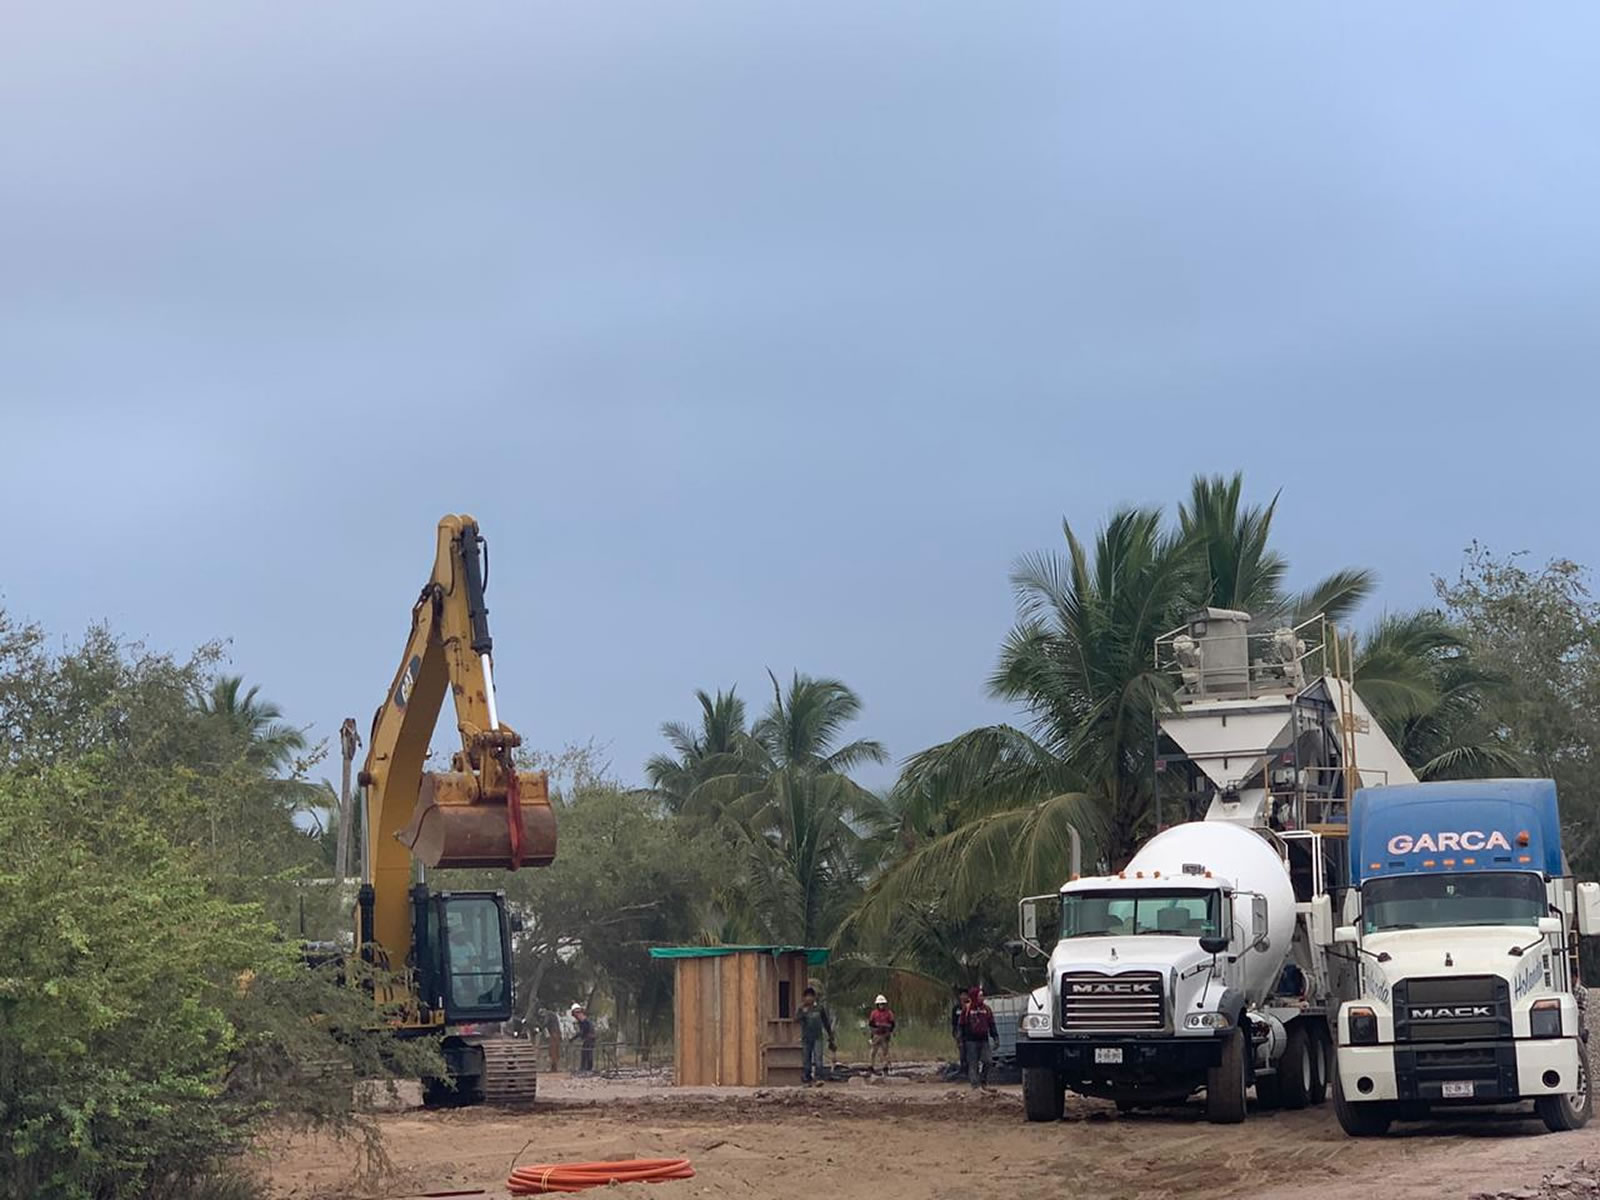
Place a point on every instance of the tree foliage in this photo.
(152, 1010)
(626, 876)
(992, 810)
(1536, 627)
(778, 801)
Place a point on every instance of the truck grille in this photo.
(1095, 1003)
(1452, 1008)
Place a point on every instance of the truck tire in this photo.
(1322, 1062)
(1043, 1096)
(1562, 1114)
(1371, 1119)
(1295, 1069)
(1225, 1083)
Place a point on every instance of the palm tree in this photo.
(1416, 673)
(799, 728)
(995, 807)
(1001, 803)
(1239, 570)
(267, 741)
(717, 747)
(795, 814)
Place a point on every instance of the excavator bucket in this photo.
(454, 826)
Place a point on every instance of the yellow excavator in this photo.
(449, 952)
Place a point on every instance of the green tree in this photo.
(785, 811)
(627, 876)
(721, 745)
(1537, 628)
(152, 1012)
(1419, 676)
(1237, 568)
(1001, 803)
(995, 808)
(267, 741)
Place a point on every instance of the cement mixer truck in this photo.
(1172, 976)
(1204, 964)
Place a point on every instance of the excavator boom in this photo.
(483, 812)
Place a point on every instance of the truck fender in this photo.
(1231, 1004)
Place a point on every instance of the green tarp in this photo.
(815, 956)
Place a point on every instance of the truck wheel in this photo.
(1225, 1083)
(1043, 1096)
(1371, 1119)
(1294, 1069)
(1562, 1114)
(1322, 1062)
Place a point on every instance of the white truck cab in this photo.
(1463, 923)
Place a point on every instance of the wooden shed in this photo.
(734, 1013)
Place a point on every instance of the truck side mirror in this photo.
(1322, 920)
(1345, 935)
(1030, 921)
(1589, 908)
(1214, 945)
(1550, 926)
(1258, 919)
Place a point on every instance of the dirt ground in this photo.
(913, 1139)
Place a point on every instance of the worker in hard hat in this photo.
(880, 1029)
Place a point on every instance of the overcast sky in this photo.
(767, 335)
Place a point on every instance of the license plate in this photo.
(1458, 1091)
(1113, 1054)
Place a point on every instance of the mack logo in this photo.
(1111, 989)
(1434, 843)
(1455, 1013)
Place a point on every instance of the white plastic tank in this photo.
(1248, 862)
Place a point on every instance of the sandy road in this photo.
(904, 1141)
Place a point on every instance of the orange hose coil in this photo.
(538, 1179)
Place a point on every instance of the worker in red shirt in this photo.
(979, 1030)
(880, 1029)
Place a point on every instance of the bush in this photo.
(146, 1024)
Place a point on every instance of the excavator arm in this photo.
(483, 812)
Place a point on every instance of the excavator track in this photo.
(510, 1072)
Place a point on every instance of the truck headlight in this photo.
(1363, 1027)
(1036, 1022)
(1205, 1020)
(1545, 1019)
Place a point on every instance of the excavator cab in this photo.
(462, 944)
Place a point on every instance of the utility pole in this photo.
(349, 739)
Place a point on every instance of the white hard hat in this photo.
(576, 1008)
(881, 1000)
